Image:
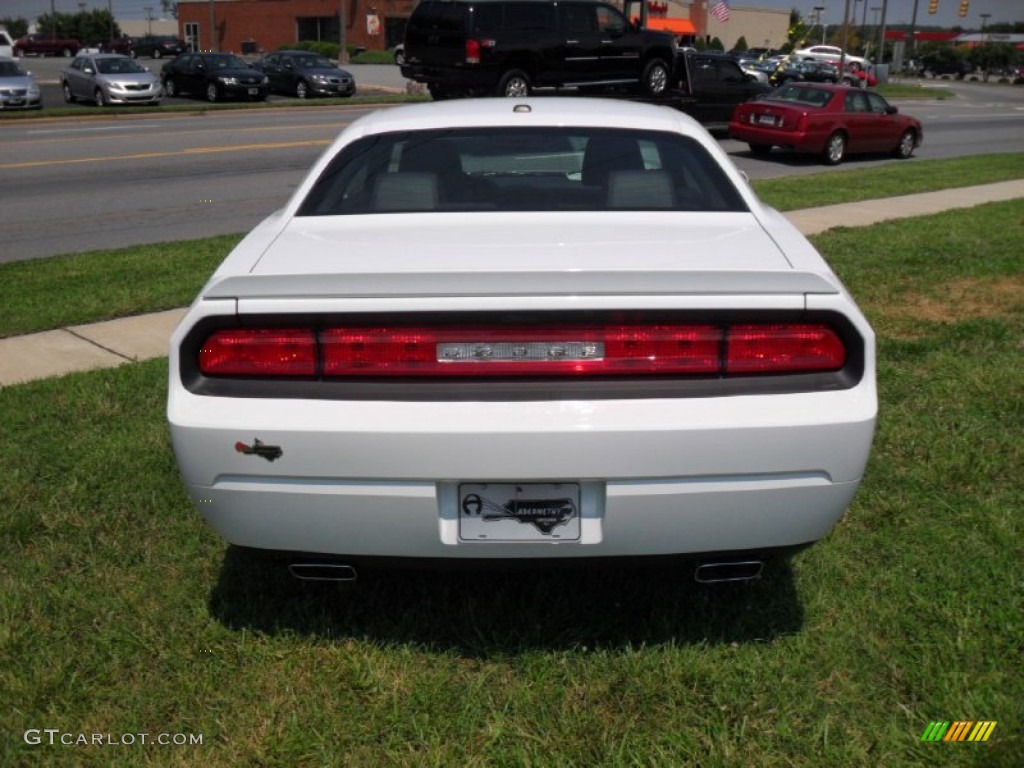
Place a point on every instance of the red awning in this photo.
(675, 26)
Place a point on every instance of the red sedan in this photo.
(827, 120)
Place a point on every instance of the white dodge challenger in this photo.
(496, 329)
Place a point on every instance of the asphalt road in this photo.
(83, 184)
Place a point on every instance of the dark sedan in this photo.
(213, 76)
(805, 71)
(304, 74)
(826, 120)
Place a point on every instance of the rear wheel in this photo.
(655, 78)
(212, 93)
(69, 97)
(760, 149)
(67, 53)
(158, 54)
(906, 146)
(437, 92)
(835, 148)
(514, 84)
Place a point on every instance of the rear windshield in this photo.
(523, 169)
(800, 94)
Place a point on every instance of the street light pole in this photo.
(817, 10)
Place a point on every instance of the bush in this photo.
(323, 47)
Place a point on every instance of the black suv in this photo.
(509, 47)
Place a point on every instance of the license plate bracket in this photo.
(519, 512)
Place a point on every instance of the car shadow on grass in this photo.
(490, 613)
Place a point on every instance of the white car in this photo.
(548, 329)
(830, 53)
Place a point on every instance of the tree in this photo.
(741, 44)
(796, 35)
(87, 27)
(169, 6)
(716, 45)
(15, 27)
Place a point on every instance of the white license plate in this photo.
(766, 119)
(254, 91)
(519, 512)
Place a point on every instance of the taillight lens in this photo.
(783, 349)
(615, 349)
(259, 352)
(472, 51)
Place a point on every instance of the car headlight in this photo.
(228, 80)
(320, 78)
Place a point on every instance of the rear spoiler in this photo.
(520, 283)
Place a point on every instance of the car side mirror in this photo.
(891, 110)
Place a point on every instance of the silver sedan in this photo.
(109, 78)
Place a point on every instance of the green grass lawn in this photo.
(123, 614)
(101, 285)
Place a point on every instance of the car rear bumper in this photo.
(656, 477)
(800, 141)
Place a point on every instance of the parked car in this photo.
(213, 76)
(158, 46)
(508, 48)
(830, 53)
(45, 45)
(804, 71)
(18, 89)
(6, 43)
(828, 120)
(472, 335)
(109, 78)
(304, 74)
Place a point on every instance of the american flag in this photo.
(720, 10)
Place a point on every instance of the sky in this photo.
(899, 11)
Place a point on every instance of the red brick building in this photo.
(249, 26)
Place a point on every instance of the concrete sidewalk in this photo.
(132, 339)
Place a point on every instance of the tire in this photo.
(514, 84)
(654, 81)
(835, 148)
(760, 149)
(906, 146)
(66, 53)
(157, 53)
(170, 90)
(69, 97)
(131, 53)
(100, 98)
(302, 90)
(437, 92)
(212, 93)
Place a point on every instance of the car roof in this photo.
(543, 112)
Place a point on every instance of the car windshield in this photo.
(522, 169)
(800, 94)
(226, 62)
(10, 69)
(123, 66)
(313, 62)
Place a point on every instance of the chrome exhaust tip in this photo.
(322, 572)
(740, 570)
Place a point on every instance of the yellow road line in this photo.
(176, 153)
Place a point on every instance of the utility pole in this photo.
(881, 33)
(913, 29)
(213, 25)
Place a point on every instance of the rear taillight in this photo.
(259, 352)
(472, 51)
(783, 349)
(802, 122)
(569, 350)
